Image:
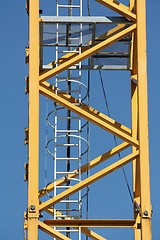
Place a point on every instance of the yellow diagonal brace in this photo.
(51, 231)
(91, 234)
(86, 167)
(87, 53)
(88, 181)
(89, 113)
(119, 8)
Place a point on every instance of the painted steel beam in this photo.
(43, 77)
(119, 8)
(84, 230)
(86, 167)
(91, 223)
(91, 234)
(88, 113)
(45, 228)
(146, 210)
(33, 121)
(95, 177)
(135, 110)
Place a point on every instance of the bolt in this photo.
(40, 215)
(32, 207)
(145, 213)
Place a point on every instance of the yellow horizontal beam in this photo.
(91, 223)
(89, 181)
(119, 8)
(87, 53)
(88, 113)
(45, 228)
(84, 230)
(86, 167)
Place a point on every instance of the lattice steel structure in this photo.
(76, 38)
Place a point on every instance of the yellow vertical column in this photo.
(33, 148)
(143, 121)
(134, 107)
(136, 166)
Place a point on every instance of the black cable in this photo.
(88, 8)
(88, 126)
(115, 139)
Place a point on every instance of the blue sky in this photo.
(13, 105)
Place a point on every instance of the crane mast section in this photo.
(76, 53)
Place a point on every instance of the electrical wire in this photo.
(115, 139)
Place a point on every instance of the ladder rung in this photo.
(71, 51)
(69, 6)
(67, 131)
(64, 186)
(66, 51)
(65, 158)
(69, 201)
(66, 172)
(67, 145)
(69, 78)
(73, 38)
(68, 91)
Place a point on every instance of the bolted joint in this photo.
(137, 207)
(26, 140)
(41, 215)
(147, 214)
(27, 85)
(27, 55)
(27, 7)
(26, 172)
(32, 208)
(25, 224)
(25, 215)
(134, 81)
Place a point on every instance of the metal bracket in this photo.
(32, 209)
(27, 85)
(27, 7)
(26, 172)
(27, 55)
(26, 141)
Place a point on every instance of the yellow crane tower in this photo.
(74, 39)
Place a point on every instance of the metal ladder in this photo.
(68, 127)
